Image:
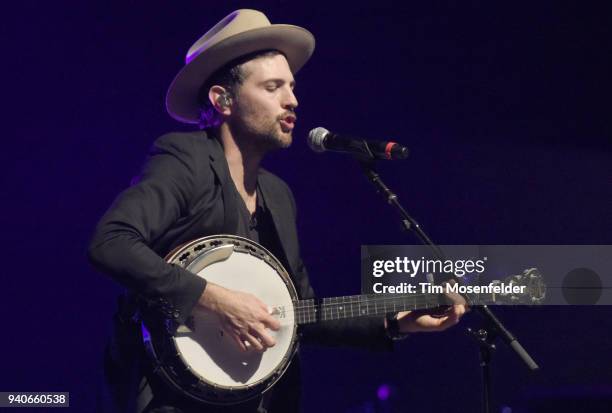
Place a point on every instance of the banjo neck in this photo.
(336, 308)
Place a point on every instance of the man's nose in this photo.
(290, 101)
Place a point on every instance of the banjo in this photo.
(198, 360)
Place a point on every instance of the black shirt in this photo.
(259, 226)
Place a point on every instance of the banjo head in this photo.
(200, 359)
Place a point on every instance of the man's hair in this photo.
(230, 76)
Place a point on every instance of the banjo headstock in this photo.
(534, 288)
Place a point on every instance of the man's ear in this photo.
(220, 99)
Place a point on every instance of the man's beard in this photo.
(274, 138)
(266, 135)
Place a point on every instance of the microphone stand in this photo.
(492, 327)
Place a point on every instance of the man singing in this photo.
(238, 86)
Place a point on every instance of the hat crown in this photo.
(234, 23)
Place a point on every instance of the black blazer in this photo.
(183, 194)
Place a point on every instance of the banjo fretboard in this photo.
(335, 308)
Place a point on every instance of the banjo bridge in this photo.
(279, 311)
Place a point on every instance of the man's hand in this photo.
(426, 321)
(243, 316)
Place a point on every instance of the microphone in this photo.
(321, 140)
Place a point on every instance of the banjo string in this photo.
(306, 308)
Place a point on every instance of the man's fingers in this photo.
(459, 310)
(239, 342)
(271, 322)
(427, 320)
(439, 323)
(253, 341)
(266, 339)
(448, 321)
(266, 317)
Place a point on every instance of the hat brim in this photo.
(295, 42)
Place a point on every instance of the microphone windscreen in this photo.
(316, 139)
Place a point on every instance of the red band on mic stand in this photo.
(388, 148)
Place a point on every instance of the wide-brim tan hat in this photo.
(240, 33)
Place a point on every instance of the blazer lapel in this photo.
(219, 166)
(280, 215)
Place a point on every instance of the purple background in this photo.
(506, 109)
